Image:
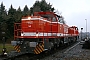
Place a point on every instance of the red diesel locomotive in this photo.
(41, 32)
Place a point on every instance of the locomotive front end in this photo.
(28, 35)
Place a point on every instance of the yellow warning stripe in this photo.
(43, 45)
(35, 52)
(17, 48)
(39, 48)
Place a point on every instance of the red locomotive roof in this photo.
(41, 13)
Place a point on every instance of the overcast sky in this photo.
(74, 11)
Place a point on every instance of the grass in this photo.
(9, 47)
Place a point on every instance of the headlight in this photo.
(5, 53)
(85, 39)
(37, 35)
(29, 18)
(21, 34)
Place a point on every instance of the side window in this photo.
(76, 28)
(48, 19)
(60, 20)
(53, 19)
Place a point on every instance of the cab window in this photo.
(53, 19)
(60, 20)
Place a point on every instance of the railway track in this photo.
(63, 51)
(22, 56)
